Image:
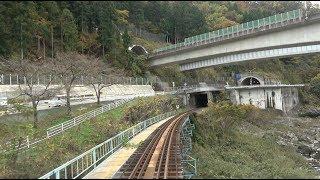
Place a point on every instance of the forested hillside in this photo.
(40, 29)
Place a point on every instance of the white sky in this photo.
(315, 2)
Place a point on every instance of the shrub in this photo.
(144, 108)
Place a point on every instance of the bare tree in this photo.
(68, 67)
(97, 76)
(29, 72)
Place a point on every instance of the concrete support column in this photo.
(209, 96)
(185, 100)
(192, 100)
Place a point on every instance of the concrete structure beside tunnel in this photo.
(281, 96)
(200, 95)
(250, 90)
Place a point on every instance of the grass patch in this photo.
(58, 150)
(16, 125)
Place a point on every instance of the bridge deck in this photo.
(111, 165)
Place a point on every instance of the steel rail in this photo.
(167, 165)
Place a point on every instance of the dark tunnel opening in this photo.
(138, 50)
(201, 100)
(250, 81)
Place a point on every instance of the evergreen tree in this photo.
(126, 39)
(69, 30)
(107, 31)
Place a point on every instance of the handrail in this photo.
(54, 130)
(91, 158)
(57, 129)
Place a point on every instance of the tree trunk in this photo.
(38, 45)
(52, 42)
(44, 49)
(61, 37)
(21, 41)
(97, 90)
(103, 50)
(68, 101)
(35, 114)
(98, 98)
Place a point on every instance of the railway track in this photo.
(159, 156)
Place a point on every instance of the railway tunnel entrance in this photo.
(201, 100)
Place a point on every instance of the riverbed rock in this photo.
(306, 150)
(316, 155)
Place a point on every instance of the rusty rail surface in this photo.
(159, 156)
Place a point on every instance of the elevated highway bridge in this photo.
(281, 35)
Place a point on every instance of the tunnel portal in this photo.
(249, 81)
(201, 100)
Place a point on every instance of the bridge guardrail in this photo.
(270, 22)
(84, 163)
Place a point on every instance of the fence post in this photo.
(10, 79)
(144, 125)
(58, 174)
(17, 79)
(62, 127)
(28, 143)
(111, 145)
(94, 158)
(82, 80)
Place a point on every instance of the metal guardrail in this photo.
(15, 79)
(84, 163)
(57, 129)
(270, 22)
(189, 164)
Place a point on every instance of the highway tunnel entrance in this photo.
(250, 81)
